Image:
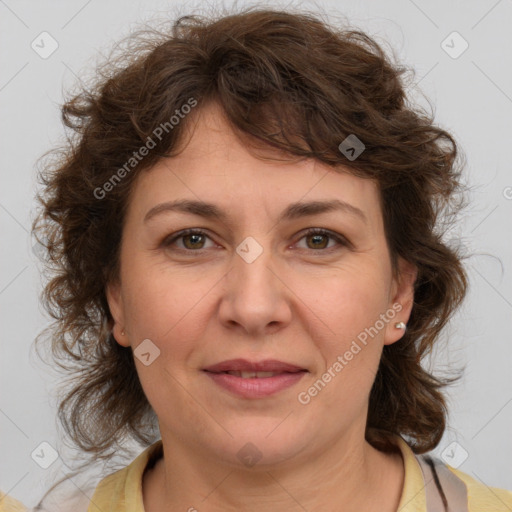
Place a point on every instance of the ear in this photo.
(116, 306)
(402, 299)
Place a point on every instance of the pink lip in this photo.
(255, 387)
(269, 365)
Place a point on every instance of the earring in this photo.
(122, 332)
(400, 325)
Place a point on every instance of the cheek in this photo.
(160, 303)
(348, 302)
(349, 312)
(170, 311)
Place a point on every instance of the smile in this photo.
(252, 375)
(252, 380)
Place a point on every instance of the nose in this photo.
(256, 299)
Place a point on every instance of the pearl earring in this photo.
(400, 325)
(122, 332)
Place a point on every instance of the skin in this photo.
(201, 303)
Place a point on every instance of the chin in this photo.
(263, 444)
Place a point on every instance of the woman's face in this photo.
(251, 292)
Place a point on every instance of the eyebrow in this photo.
(292, 211)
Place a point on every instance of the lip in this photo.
(242, 365)
(288, 375)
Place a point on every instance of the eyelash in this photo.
(342, 241)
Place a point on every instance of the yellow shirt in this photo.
(122, 491)
(8, 504)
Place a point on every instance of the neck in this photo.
(351, 476)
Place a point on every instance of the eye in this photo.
(192, 240)
(317, 238)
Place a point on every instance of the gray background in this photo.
(472, 95)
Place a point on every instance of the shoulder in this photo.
(124, 486)
(482, 496)
(460, 488)
(8, 504)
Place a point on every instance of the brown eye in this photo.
(191, 240)
(317, 239)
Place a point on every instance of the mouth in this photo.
(244, 366)
(254, 379)
(254, 375)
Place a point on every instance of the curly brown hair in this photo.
(286, 80)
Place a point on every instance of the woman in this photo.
(248, 257)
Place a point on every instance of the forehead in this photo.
(215, 165)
